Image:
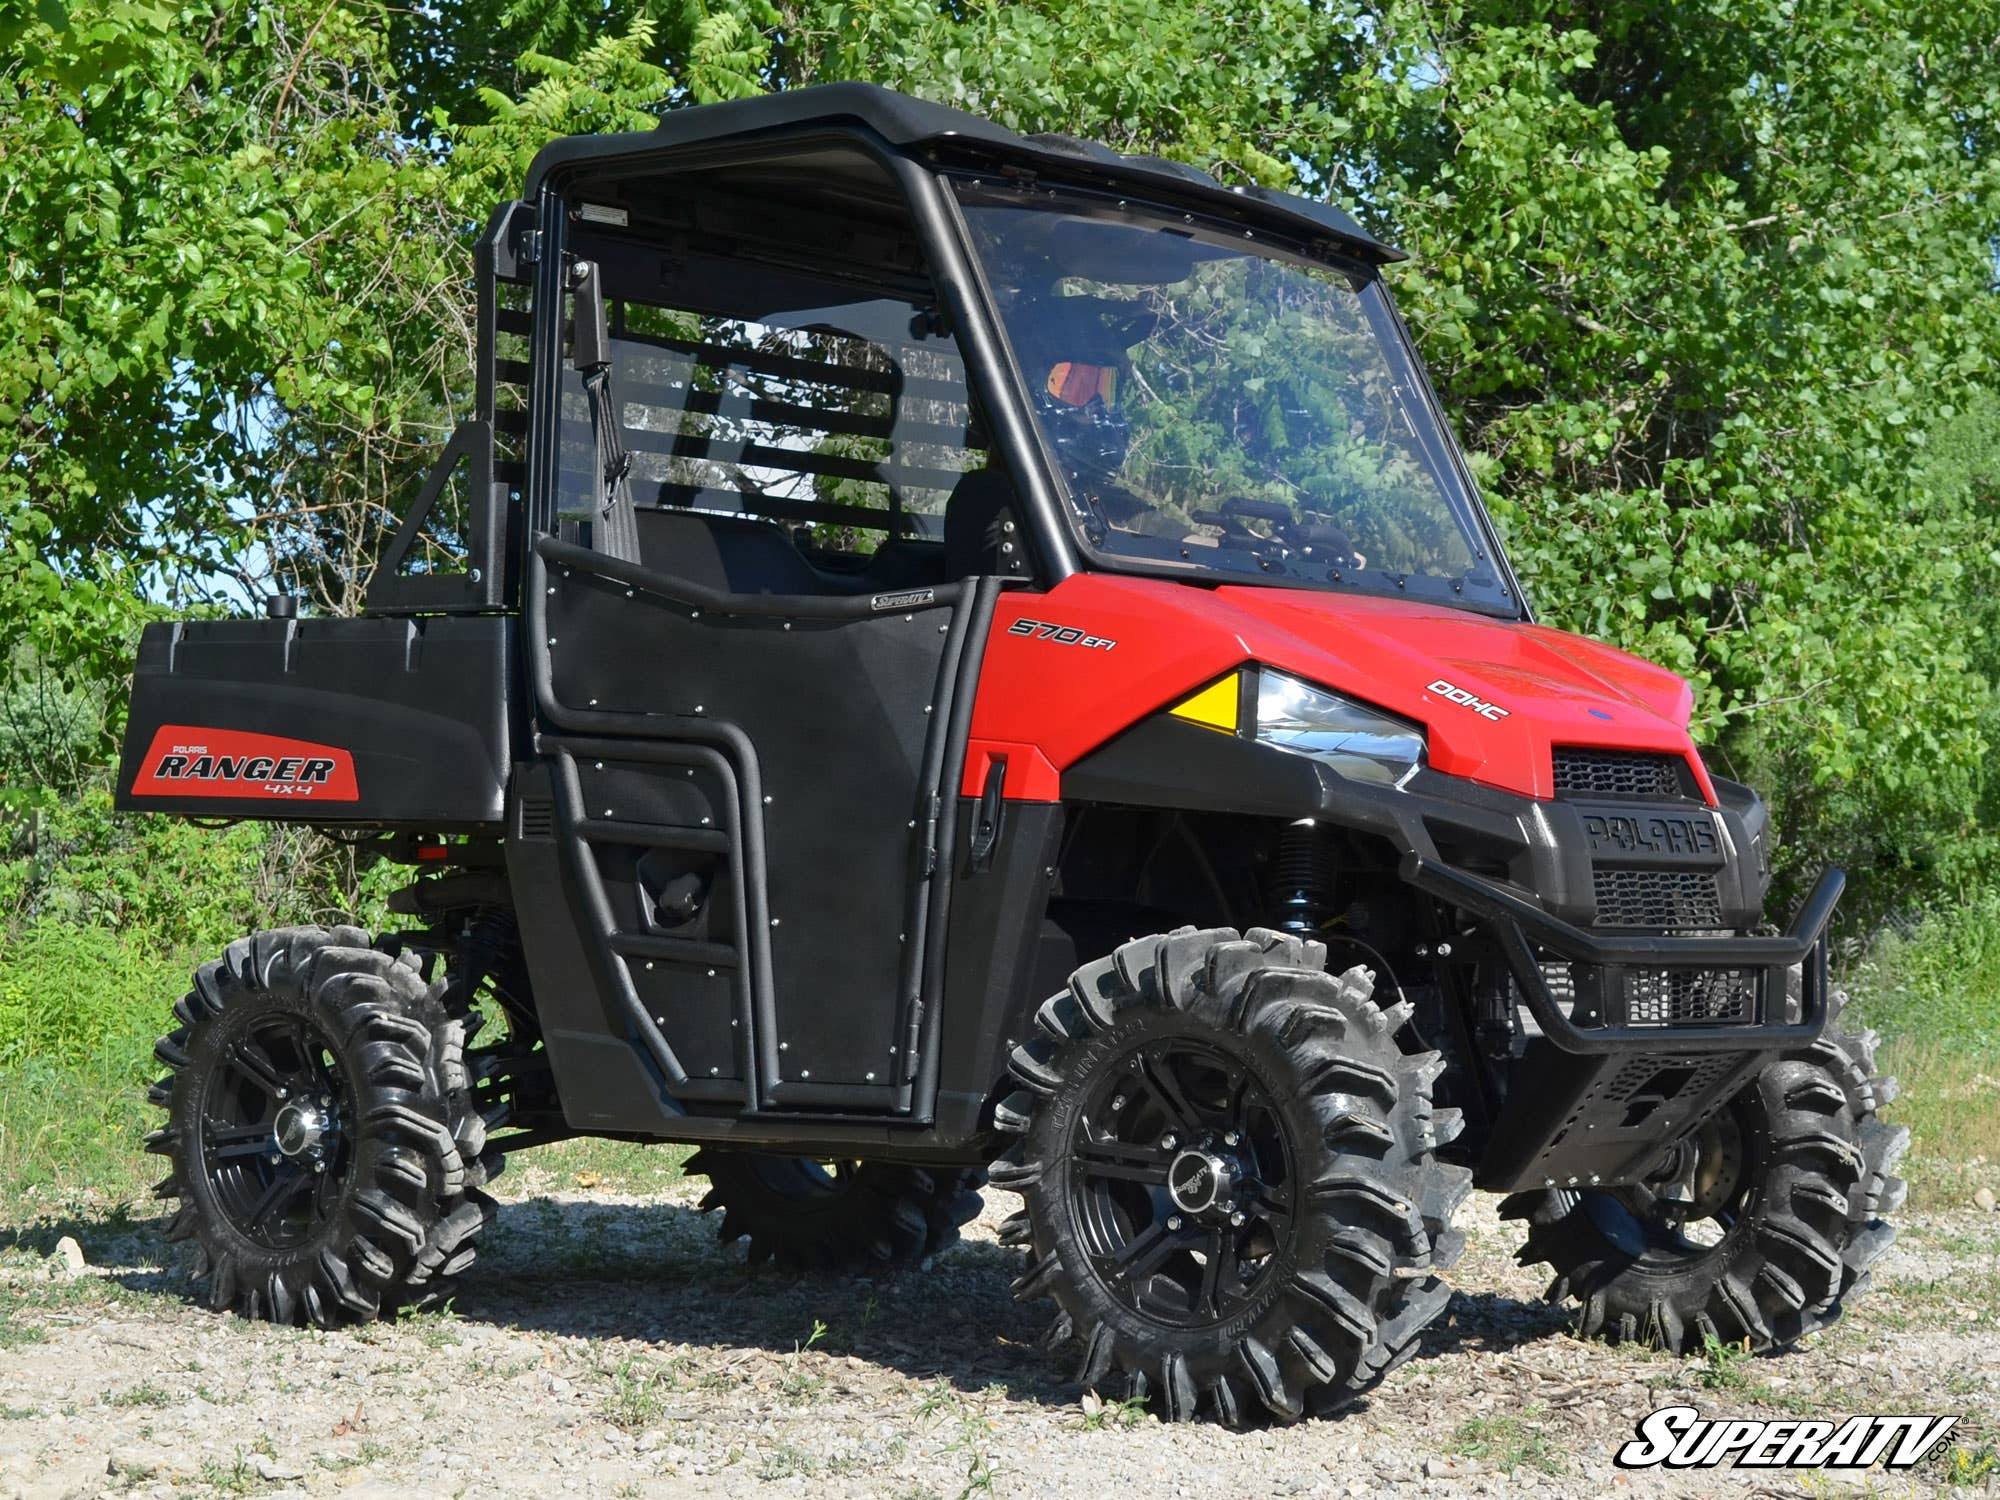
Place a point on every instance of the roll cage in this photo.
(464, 544)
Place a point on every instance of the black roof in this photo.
(907, 122)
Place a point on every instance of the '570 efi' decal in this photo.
(1062, 635)
(187, 761)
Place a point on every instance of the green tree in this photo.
(1708, 290)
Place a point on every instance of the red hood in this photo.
(1516, 690)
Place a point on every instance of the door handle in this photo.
(986, 817)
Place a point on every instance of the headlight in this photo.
(1358, 741)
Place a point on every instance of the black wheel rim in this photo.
(275, 1134)
(1181, 1181)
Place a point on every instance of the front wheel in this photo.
(1229, 1173)
(325, 1144)
(1772, 1218)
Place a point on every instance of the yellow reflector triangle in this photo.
(1214, 707)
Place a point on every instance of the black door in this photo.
(750, 724)
(756, 837)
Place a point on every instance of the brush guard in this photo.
(1659, 1033)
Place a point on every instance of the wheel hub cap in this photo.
(1201, 1182)
(301, 1128)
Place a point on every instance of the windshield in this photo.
(1220, 409)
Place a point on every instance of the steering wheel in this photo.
(1234, 515)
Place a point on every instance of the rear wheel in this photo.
(1229, 1173)
(325, 1145)
(834, 1214)
(1759, 1232)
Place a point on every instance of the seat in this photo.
(730, 554)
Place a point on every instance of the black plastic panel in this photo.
(993, 974)
(1573, 1121)
(417, 709)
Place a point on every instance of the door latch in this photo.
(986, 818)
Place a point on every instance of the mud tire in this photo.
(390, 1221)
(1340, 1285)
(801, 1214)
(1820, 1178)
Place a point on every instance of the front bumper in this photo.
(1615, 1069)
(1602, 1016)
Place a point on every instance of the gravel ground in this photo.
(606, 1345)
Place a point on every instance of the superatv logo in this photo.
(1464, 699)
(1682, 1438)
(185, 761)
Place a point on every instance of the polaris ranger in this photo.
(945, 657)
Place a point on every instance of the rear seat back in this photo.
(730, 554)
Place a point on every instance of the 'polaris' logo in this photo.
(1464, 699)
(1682, 1438)
(185, 761)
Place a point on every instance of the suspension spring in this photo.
(1301, 890)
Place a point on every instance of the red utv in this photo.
(943, 656)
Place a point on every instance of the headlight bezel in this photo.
(1358, 739)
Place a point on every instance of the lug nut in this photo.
(1173, 1221)
(1230, 1138)
(1117, 1101)
(1170, 1141)
(1237, 1218)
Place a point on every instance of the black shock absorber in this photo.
(1301, 891)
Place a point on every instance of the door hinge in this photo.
(931, 836)
(910, 1037)
(531, 246)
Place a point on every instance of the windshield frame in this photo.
(1433, 437)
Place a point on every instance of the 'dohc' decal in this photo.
(188, 762)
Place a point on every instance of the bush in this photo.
(173, 883)
(79, 1009)
(1936, 980)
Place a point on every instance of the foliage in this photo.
(1938, 978)
(79, 1008)
(1708, 289)
(167, 881)
(1701, 285)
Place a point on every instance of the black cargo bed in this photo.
(375, 721)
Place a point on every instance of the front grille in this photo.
(1620, 773)
(1666, 900)
(1688, 997)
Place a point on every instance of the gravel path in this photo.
(605, 1345)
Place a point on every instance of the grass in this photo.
(1510, 1442)
(237, 1478)
(1950, 1099)
(144, 1394)
(1725, 1367)
(1970, 1468)
(437, 1327)
(639, 1391)
(1934, 994)
(1099, 1414)
(80, 1009)
(787, 1461)
(14, 1333)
